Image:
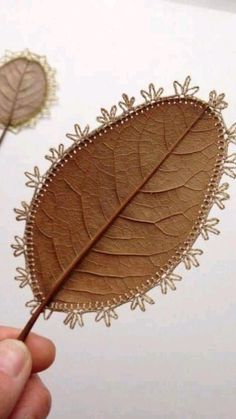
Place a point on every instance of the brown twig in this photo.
(4, 133)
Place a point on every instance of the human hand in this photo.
(22, 393)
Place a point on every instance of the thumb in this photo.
(15, 369)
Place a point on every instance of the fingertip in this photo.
(42, 349)
(15, 370)
(14, 357)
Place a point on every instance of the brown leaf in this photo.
(23, 91)
(115, 214)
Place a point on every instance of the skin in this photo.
(25, 396)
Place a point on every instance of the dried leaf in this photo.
(22, 91)
(113, 217)
(27, 88)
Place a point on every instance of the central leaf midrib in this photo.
(11, 114)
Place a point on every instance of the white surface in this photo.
(177, 360)
(227, 5)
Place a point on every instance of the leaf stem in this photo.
(5, 130)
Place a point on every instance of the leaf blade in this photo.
(23, 91)
(105, 267)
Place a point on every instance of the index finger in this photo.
(42, 349)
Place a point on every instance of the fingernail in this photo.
(13, 356)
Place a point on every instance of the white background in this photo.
(177, 360)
